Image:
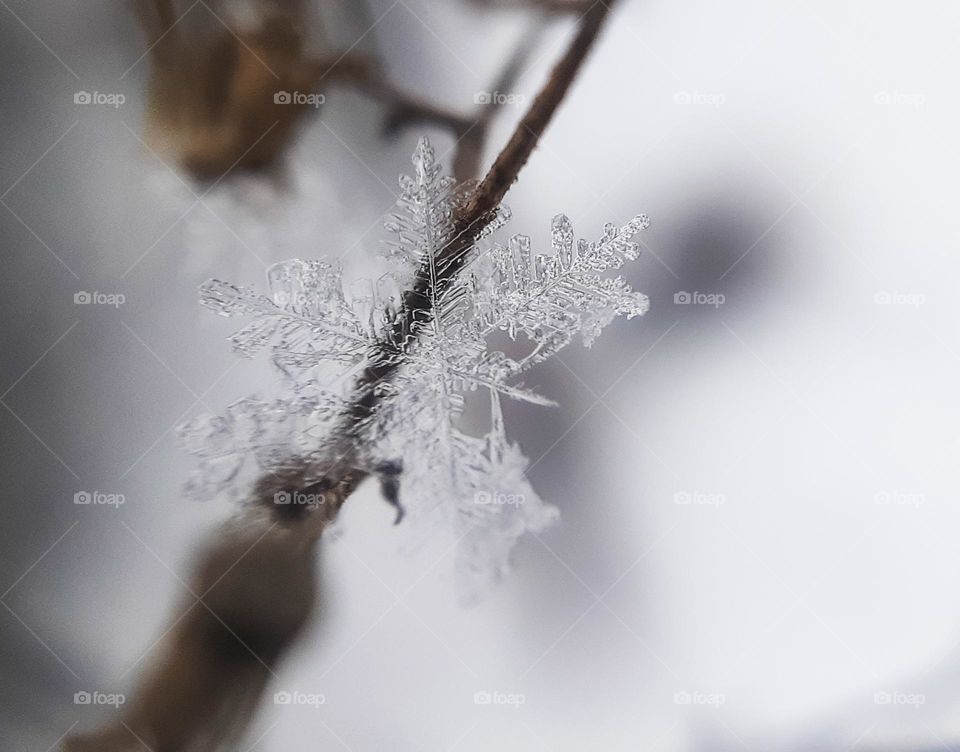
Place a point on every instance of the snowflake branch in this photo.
(481, 208)
(469, 225)
(254, 587)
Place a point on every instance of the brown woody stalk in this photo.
(472, 220)
(253, 589)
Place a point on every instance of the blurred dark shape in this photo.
(254, 590)
(719, 244)
(223, 98)
(689, 246)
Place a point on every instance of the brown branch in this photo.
(251, 594)
(254, 587)
(514, 156)
(469, 129)
(480, 209)
(470, 145)
(405, 109)
(468, 225)
(212, 102)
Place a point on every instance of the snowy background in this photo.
(758, 497)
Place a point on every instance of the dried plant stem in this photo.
(468, 128)
(469, 224)
(253, 588)
(470, 144)
(514, 156)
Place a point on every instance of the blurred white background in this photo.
(758, 497)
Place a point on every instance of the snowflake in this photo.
(320, 334)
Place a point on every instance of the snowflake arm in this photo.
(425, 351)
(552, 298)
(307, 319)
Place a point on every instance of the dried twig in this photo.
(466, 163)
(469, 224)
(254, 587)
(251, 594)
(213, 107)
(485, 199)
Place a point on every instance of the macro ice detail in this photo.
(437, 338)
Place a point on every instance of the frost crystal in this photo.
(437, 340)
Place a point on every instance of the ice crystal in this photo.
(437, 340)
